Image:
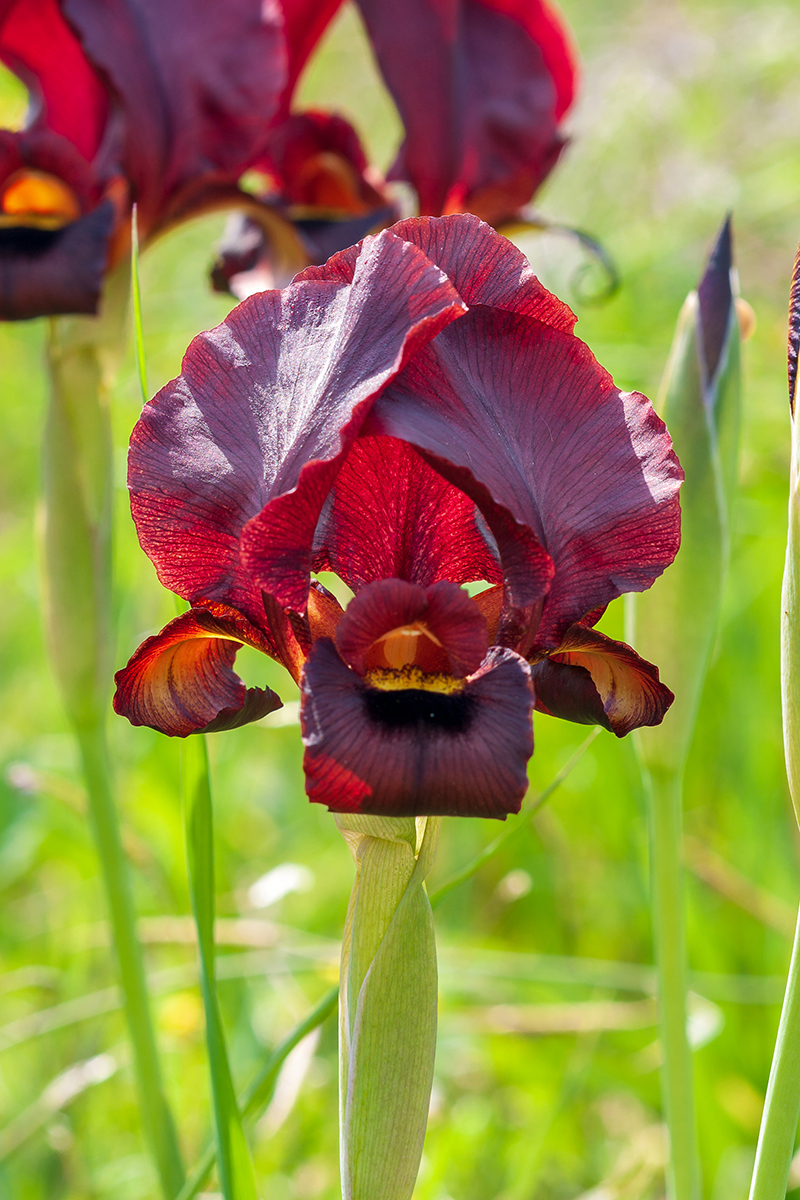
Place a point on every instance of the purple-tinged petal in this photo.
(530, 415)
(390, 515)
(197, 86)
(45, 272)
(794, 331)
(408, 753)
(483, 266)
(480, 87)
(444, 611)
(181, 681)
(594, 680)
(715, 296)
(272, 395)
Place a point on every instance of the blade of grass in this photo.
(514, 829)
(237, 1177)
(257, 1096)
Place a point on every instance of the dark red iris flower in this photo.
(159, 101)
(481, 86)
(415, 415)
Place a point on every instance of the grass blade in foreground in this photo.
(782, 1106)
(237, 1177)
(78, 490)
(676, 622)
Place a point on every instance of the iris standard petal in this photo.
(476, 94)
(38, 45)
(527, 411)
(197, 86)
(404, 753)
(390, 515)
(483, 266)
(275, 392)
(594, 680)
(181, 681)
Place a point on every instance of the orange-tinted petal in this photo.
(182, 681)
(593, 680)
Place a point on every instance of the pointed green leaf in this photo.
(235, 1166)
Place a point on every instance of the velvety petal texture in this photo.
(182, 681)
(594, 680)
(405, 753)
(480, 87)
(588, 469)
(275, 393)
(389, 514)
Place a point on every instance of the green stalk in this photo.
(669, 929)
(778, 1131)
(77, 519)
(236, 1174)
(782, 1105)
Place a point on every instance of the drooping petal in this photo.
(37, 44)
(305, 21)
(390, 515)
(181, 681)
(417, 752)
(594, 680)
(273, 394)
(588, 469)
(477, 94)
(198, 86)
(45, 272)
(444, 609)
(484, 267)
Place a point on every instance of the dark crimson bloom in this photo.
(481, 87)
(415, 415)
(159, 101)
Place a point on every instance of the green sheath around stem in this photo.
(78, 611)
(388, 1003)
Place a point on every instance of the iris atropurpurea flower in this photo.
(415, 415)
(482, 88)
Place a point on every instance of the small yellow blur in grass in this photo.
(182, 1015)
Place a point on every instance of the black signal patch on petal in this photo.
(422, 711)
(414, 751)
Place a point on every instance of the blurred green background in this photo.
(686, 110)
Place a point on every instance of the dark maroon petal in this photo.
(39, 46)
(46, 272)
(483, 266)
(476, 92)
(198, 86)
(274, 392)
(447, 611)
(596, 681)
(390, 515)
(182, 681)
(417, 752)
(528, 412)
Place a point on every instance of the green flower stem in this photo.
(78, 608)
(665, 795)
(388, 1002)
(782, 1105)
